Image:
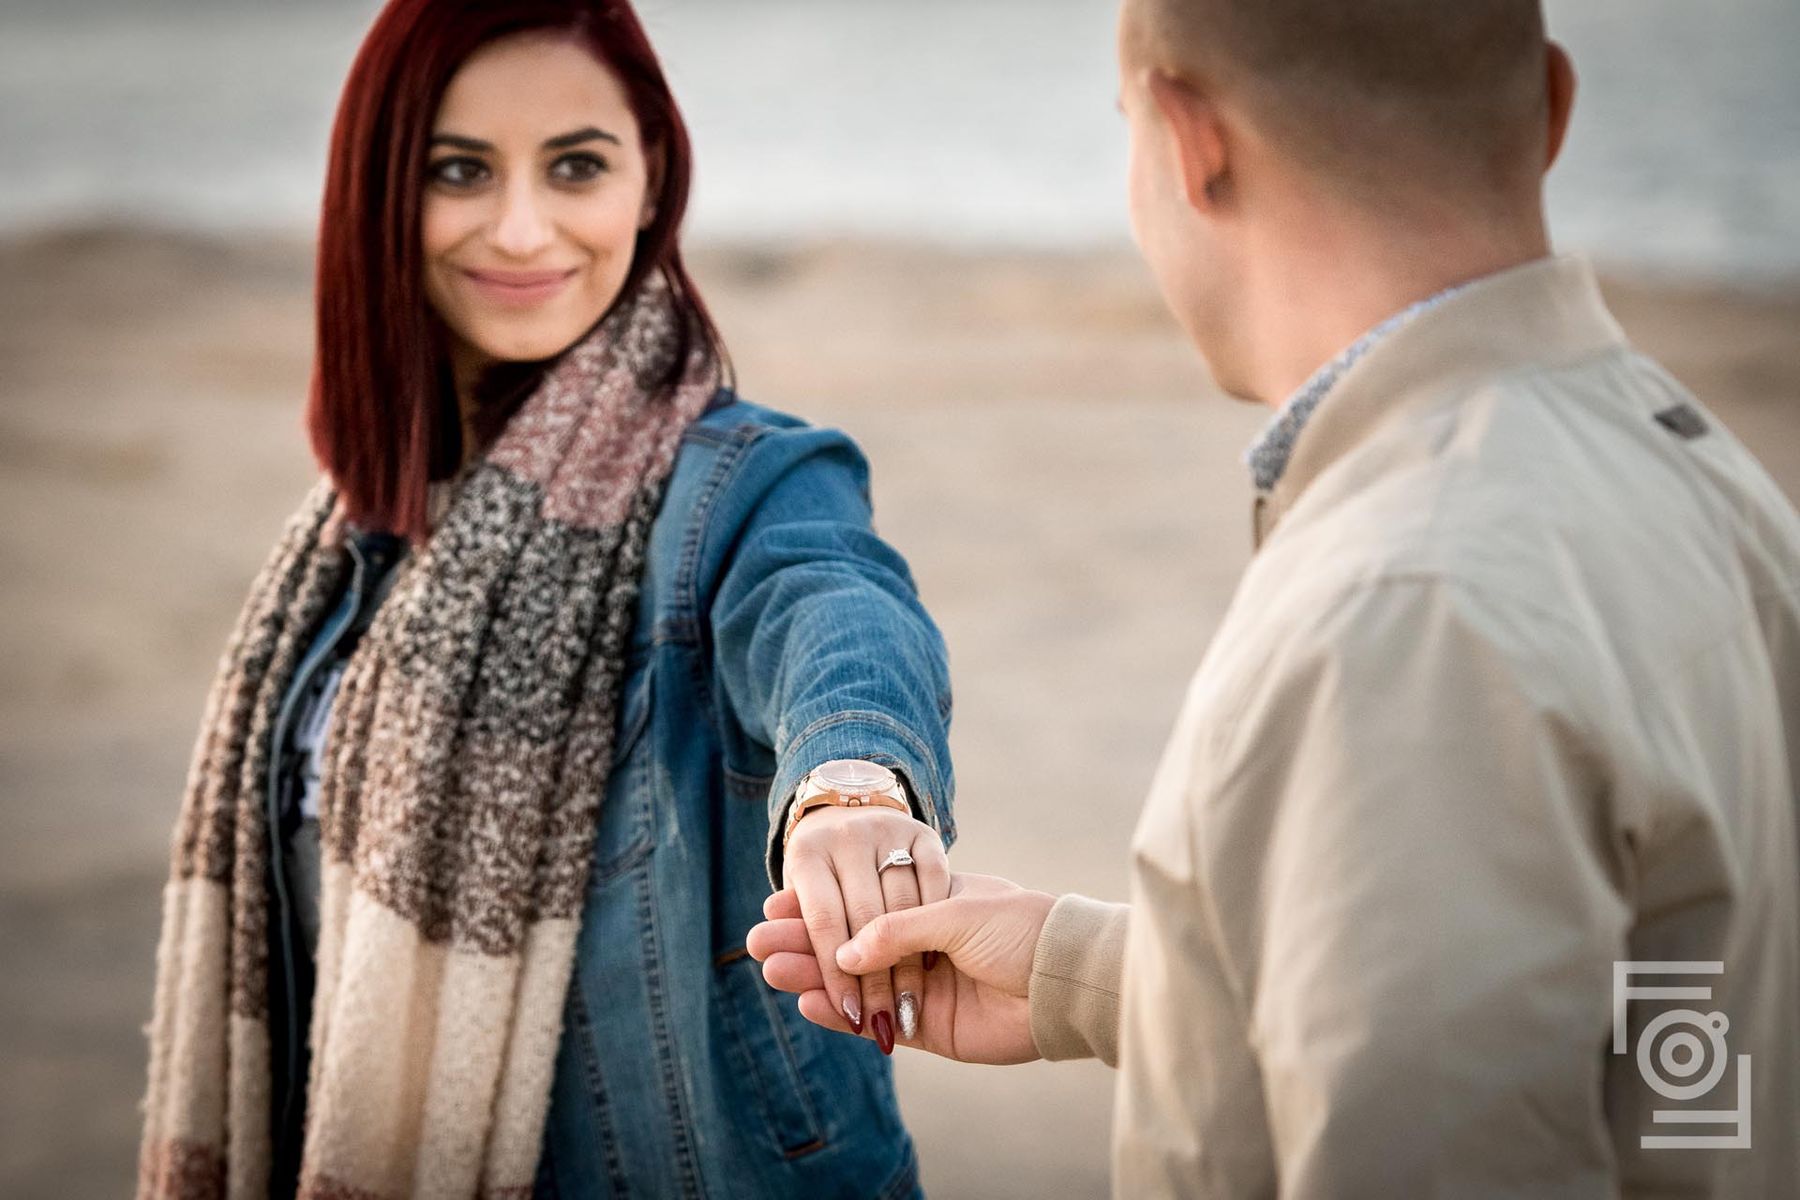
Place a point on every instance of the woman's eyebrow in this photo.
(586, 134)
(561, 141)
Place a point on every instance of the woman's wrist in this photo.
(845, 783)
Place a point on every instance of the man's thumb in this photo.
(889, 938)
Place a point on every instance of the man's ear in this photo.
(1197, 136)
(655, 171)
(1560, 89)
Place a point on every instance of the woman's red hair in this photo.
(383, 417)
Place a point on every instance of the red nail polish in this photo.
(884, 1032)
(931, 957)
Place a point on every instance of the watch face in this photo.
(854, 775)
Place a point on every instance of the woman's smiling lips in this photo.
(518, 287)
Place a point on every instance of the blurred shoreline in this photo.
(1046, 452)
(952, 120)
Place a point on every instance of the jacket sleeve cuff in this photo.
(873, 737)
(1076, 975)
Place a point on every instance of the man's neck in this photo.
(1324, 294)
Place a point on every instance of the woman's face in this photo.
(537, 187)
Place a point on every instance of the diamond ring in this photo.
(895, 858)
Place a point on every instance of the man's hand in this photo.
(975, 998)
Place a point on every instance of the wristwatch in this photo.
(846, 783)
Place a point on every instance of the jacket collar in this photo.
(1541, 313)
(1268, 455)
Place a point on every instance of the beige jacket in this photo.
(1510, 694)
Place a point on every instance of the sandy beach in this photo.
(1046, 452)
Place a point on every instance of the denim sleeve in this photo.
(821, 645)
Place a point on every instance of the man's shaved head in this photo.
(1373, 91)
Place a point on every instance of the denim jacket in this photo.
(775, 632)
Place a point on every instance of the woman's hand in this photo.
(832, 870)
(988, 932)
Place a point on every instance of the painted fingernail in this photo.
(909, 1016)
(853, 1013)
(884, 1032)
(931, 957)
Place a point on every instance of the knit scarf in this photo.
(467, 752)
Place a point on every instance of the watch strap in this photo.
(804, 803)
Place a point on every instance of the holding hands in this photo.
(986, 929)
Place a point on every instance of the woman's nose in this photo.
(523, 227)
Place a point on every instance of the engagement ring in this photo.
(896, 858)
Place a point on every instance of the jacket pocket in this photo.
(763, 1058)
(627, 824)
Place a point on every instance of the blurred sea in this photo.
(967, 121)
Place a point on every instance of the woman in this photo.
(499, 763)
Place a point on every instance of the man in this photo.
(1509, 695)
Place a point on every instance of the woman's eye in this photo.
(458, 172)
(578, 168)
